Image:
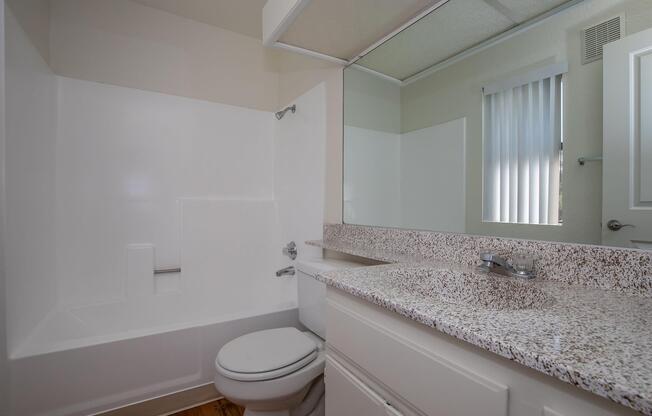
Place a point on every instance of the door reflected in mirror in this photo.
(486, 117)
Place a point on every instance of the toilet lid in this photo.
(266, 352)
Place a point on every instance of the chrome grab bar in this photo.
(583, 160)
(166, 271)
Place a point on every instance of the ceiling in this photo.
(343, 28)
(449, 30)
(338, 28)
(240, 16)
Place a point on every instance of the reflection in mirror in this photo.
(475, 119)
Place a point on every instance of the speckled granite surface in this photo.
(598, 340)
(625, 270)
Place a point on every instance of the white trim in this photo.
(491, 42)
(526, 78)
(308, 52)
(394, 32)
(377, 74)
(161, 396)
(278, 17)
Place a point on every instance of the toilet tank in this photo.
(312, 294)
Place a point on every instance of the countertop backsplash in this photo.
(621, 269)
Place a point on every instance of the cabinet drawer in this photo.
(348, 395)
(427, 381)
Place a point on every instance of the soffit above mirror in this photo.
(451, 29)
(344, 28)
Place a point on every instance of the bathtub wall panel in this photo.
(249, 252)
(31, 119)
(126, 159)
(134, 180)
(300, 170)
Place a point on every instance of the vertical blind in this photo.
(522, 149)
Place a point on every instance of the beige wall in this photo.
(34, 18)
(123, 43)
(457, 92)
(371, 102)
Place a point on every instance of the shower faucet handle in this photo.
(290, 250)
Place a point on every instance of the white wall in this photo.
(111, 178)
(432, 177)
(299, 171)
(145, 178)
(30, 179)
(412, 180)
(372, 124)
(294, 83)
(372, 177)
(4, 363)
(92, 40)
(126, 159)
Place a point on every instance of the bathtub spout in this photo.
(288, 271)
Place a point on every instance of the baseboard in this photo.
(170, 403)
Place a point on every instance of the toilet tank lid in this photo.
(313, 267)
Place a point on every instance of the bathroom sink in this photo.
(469, 288)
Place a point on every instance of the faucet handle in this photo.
(290, 250)
(488, 257)
(523, 264)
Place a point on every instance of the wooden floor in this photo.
(220, 407)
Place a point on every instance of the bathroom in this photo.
(326, 207)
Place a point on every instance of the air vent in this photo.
(595, 37)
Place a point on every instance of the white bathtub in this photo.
(65, 371)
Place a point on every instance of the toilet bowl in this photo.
(272, 372)
(279, 372)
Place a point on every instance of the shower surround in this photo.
(105, 184)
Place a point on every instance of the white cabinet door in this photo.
(627, 146)
(347, 395)
(423, 378)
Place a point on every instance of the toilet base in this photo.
(320, 410)
(312, 404)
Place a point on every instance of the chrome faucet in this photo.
(494, 263)
(288, 271)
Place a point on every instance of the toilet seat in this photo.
(266, 355)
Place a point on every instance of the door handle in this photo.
(615, 225)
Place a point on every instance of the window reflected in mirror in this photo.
(522, 148)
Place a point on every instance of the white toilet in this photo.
(279, 372)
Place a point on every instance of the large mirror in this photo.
(517, 118)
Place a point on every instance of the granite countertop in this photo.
(595, 339)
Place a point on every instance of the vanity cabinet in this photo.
(349, 395)
(380, 363)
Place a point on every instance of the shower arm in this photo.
(279, 114)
